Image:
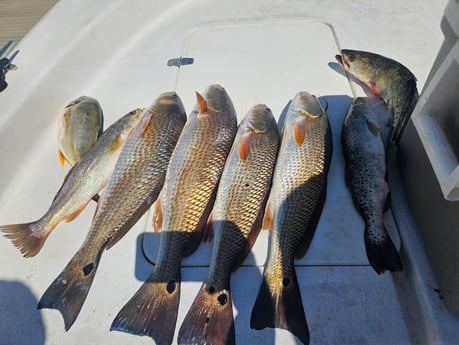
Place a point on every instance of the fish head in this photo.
(216, 99)
(260, 119)
(167, 103)
(365, 66)
(307, 105)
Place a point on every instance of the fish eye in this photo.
(351, 57)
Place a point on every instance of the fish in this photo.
(84, 180)
(389, 80)
(233, 226)
(365, 175)
(292, 213)
(135, 184)
(80, 126)
(181, 213)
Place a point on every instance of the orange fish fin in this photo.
(299, 131)
(375, 89)
(201, 103)
(267, 223)
(244, 145)
(208, 234)
(61, 157)
(157, 221)
(68, 218)
(145, 122)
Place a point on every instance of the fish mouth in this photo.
(341, 60)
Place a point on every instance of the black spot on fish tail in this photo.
(281, 307)
(152, 311)
(210, 319)
(382, 254)
(69, 290)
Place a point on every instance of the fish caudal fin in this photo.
(209, 320)
(382, 255)
(69, 290)
(152, 311)
(281, 307)
(25, 237)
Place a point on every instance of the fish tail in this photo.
(210, 319)
(280, 307)
(25, 237)
(69, 290)
(152, 311)
(382, 255)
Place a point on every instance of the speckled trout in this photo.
(87, 178)
(135, 184)
(233, 226)
(181, 213)
(292, 213)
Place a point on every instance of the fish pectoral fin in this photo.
(208, 234)
(244, 145)
(157, 221)
(61, 157)
(201, 104)
(267, 223)
(145, 122)
(375, 89)
(299, 131)
(373, 127)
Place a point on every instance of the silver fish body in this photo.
(136, 181)
(233, 226)
(80, 126)
(181, 213)
(294, 206)
(87, 178)
(365, 170)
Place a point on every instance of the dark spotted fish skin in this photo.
(388, 79)
(365, 171)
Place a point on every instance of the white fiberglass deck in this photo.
(261, 52)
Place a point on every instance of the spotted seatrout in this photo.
(388, 79)
(87, 178)
(365, 170)
(293, 209)
(181, 213)
(135, 184)
(233, 225)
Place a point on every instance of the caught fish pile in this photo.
(207, 178)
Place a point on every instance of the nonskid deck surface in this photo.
(261, 53)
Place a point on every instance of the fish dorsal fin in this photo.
(157, 222)
(61, 157)
(299, 130)
(267, 223)
(208, 234)
(201, 104)
(245, 142)
(145, 122)
(373, 127)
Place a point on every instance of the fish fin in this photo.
(201, 104)
(157, 221)
(25, 237)
(244, 145)
(373, 127)
(281, 307)
(267, 218)
(145, 122)
(383, 256)
(69, 217)
(375, 89)
(308, 234)
(68, 291)
(209, 319)
(299, 131)
(208, 235)
(61, 157)
(152, 311)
